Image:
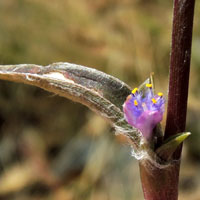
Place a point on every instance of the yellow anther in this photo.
(134, 90)
(135, 103)
(149, 85)
(154, 101)
(160, 94)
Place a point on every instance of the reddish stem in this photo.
(179, 66)
(159, 183)
(162, 184)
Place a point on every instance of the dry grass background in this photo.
(52, 148)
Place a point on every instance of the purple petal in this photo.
(144, 112)
(131, 111)
(147, 121)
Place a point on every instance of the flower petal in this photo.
(144, 111)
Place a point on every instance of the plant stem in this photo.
(162, 184)
(159, 183)
(179, 67)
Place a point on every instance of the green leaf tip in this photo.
(169, 146)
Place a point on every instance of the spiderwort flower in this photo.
(144, 111)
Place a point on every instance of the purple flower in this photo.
(144, 111)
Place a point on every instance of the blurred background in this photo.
(55, 149)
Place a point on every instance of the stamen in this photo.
(149, 85)
(154, 101)
(160, 94)
(134, 90)
(135, 103)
